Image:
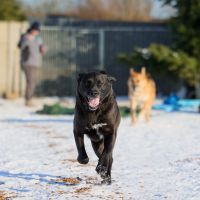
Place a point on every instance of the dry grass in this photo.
(82, 190)
(2, 196)
(5, 196)
(121, 10)
(70, 181)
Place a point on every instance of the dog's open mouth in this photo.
(93, 102)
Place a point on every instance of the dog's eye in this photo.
(88, 83)
(99, 83)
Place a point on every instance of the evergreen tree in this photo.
(186, 25)
(183, 59)
(11, 10)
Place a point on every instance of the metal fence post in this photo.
(73, 61)
(101, 48)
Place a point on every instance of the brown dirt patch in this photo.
(66, 161)
(5, 196)
(82, 190)
(52, 145)
(72, 160)
(68, 181)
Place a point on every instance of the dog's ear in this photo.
(80, 76)
(132, 72)
(111, 79)
(143, 71)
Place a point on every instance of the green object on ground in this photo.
(57, 109)
(124, 111)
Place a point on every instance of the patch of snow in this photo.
(156, 160)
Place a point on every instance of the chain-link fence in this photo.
(74, 50)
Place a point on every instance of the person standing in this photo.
(32, 50)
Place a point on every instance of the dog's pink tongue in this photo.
(94, 102)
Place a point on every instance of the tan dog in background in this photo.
(142, 93)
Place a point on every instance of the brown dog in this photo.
(142, 93)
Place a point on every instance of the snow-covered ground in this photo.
(154, 161)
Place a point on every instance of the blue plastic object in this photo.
(173, 103)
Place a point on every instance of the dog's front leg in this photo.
(82, 155)
(105, 162)
(133, 107)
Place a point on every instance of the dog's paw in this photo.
(83, 160)
(98, 168)
(102, 171)
(106, 180)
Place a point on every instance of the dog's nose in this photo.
(93, 93)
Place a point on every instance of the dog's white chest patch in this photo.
(96, 127)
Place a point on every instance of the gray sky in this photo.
(162, 12)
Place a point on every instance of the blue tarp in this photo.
(173, 103)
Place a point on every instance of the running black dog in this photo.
(96, 115)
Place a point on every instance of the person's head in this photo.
(34, 28)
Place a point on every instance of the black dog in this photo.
(96, 115)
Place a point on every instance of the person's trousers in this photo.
(31, 74)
